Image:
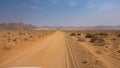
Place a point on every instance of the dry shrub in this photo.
(118, 35)
(78, 34)
(103, 34)
(7, 47)
(84, 62)
(14, 40)
(98, 52)
(26, 39)
(30, 36)
(20, 33)
(81, 40)
(9, 39)
(72, 34)
(8, 33)
(97, 41)
(118, 51)
(88, 35)
(113, 39)
(93, 39)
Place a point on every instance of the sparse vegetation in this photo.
(103, 34)
(78, 34)
(14, 26)
(73, 34)
(98, 52)
(84, 62)
(7, 47)
(96, 37)
(10, 37)
(82, 43)
(88, 36)
(14, 40)
(97, 41)
(118, 35)
(93, 39)
(118, 51)
(80, 39)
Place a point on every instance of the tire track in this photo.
(82, 55)
(71, 57)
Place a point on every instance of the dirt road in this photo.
(56, 51)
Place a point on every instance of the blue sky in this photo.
(61, 12)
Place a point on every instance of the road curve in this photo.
(56, 51)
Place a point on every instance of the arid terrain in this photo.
(59, 33)
(60, 49)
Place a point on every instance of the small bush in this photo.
(20, 33)
(9, 39)
(73, 34)
(30, 36)
(7, 47)
(118, 35)
(118, 51)
(88, 36)
(93, 39)
(113, 39)
(26, 39)
(14, 40)
(78, 34)
(81, 40)
(103, 34)
(84, 62)
(8, 33)
(97, 41)
(98, 52)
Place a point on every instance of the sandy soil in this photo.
(59, 50)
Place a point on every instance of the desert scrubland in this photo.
(14, 41)
(60, 49)
(103, 44)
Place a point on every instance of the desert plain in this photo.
(60, 48)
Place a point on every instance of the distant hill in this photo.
(16, 26)
(108, 27)
(80, 28)
(22, 26)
